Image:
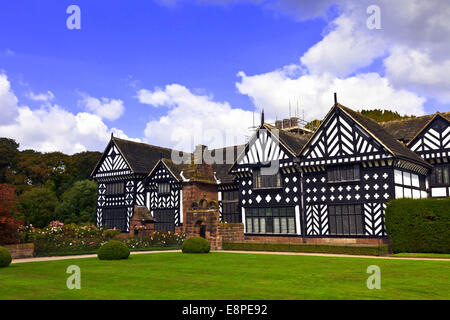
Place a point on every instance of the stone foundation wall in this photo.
(18, 251)
(328, 241)
(232, 232)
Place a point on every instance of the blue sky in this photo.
(190, 53)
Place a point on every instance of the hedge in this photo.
(421, 226)
(196, 245)
(113, 250)
(5, 257)
(309, 248)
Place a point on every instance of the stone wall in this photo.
(193, 192)
(19, 251)
(231, 232)
(204, 223)
(328, 241)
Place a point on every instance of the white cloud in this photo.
(110, 109)
(345, 49)
(8, 101)
(51, 128)
(273, 90)
(194, 119)
(43, 97)
(415, 69)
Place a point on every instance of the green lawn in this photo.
(225, 275)
(422, 255)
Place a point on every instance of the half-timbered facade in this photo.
(352, 167)
(269, 182)
(120, 174)
(333, 183)
(429, 137)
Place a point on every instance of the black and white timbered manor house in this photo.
(286, 181)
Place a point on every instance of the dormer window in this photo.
(163, 188)
(263, 181)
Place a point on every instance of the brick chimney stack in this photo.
(279, 124)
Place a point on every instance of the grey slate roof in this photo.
(406, 129)
(397, 148)
(140, 156)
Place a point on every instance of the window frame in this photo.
(344, 171)
(276, 221)
(335, 211)
(164, 192)
(257, 180)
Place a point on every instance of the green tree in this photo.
(83, 163)
(37, 206)
(313, 125)
(8, 151)
(78, 203)
(380, 115)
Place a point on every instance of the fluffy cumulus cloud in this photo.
(193, 119)
(8, 102)
(110, 109)
(315, 93)
(51, 128)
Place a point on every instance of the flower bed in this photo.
(58, 239)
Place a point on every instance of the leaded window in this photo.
(262, 181)
(270, 220)
(115, 218)
(115, 188)
(440, 175)
(343, 173)
(165, 220)
(346, 220)
(230, 206)
(163, 188)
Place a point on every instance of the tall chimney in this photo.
(286, 123)
(294, 122)
(279, 124)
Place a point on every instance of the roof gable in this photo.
(111, 163)
(434, 136)
(406, 129)
(347, 133)
(270, 144)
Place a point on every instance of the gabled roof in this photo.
(374, 129)
(292, 142)
(406, 129)
(388, 141)
(139, 156)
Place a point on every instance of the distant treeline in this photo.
(378, 115)
(49, 186)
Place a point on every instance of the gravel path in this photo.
(81, 256)
(231, 251)
(333, 255)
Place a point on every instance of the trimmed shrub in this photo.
(113, 250)
(196, 245)
(109, 234)
(419, 225)
(365, 250)
(5, 257)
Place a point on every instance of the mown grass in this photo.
(223, 275)
(422, 255)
